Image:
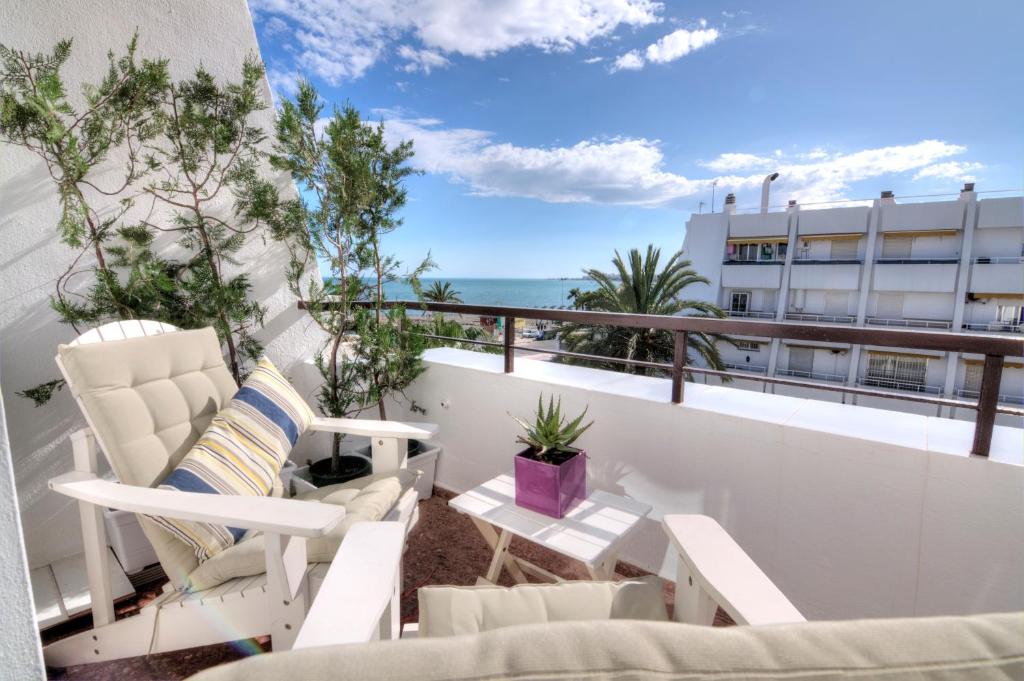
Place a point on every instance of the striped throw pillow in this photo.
(241, 452)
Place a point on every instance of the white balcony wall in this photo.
(997, 278)
(751, 276)
(745, 356)
(703, 246)
(760, 299)
(1004, 212)
(826, 276)
(898, 217)
(932, 277)
(759, 225)
(984, 311)
(219, 36)
(998, 242)
(842, 220)
(852, 512)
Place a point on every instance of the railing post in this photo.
(988, 398)
(510, 336)
(678, 363)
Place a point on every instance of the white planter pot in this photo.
(130, 545)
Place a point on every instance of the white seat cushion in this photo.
(365, 499)
(455, 610)
(915, 649)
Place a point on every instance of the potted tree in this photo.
(551, 474)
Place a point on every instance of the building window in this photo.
(748, 345)
(780, 250)
(755, 251)
(1008, 314)
(896, 371)
(739, 301)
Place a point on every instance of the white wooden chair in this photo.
(275, 602)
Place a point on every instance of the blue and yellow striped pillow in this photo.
(241, 452)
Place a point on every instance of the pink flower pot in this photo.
(548, 488)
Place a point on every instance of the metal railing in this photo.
(995, 327)
(826, 318)
(999, 260)
(807, 260)
(751, 314)
(772, 261)
(994, 348)
(1003, 397)
(813, 375)
(746, 368)
(920, 260)
(896, 384)
(909, 323)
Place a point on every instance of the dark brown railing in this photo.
(994, 348)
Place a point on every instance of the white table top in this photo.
(588, 533)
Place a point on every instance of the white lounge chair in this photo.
(559, 633)
(147, 392)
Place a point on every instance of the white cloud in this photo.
(668, 48)
(630, 171)
(950, 170)
(679, 44)
(593, 60)
(631, 61)
(341, 39)
(421, 60)
(733, 161)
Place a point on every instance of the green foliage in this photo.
(549, 433)
(42, 393)
(642, 288)
(438, 325)
(441, 292)
(183, 145)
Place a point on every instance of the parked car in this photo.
(531, 333)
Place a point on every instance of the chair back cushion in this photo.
(241, 452)
(922, 649)
(455, 610)
(148, 399)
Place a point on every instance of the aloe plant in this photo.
(549, 433)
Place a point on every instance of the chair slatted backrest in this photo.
(132, 328)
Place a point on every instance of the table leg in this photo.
(498, 560)
(603, 571)
(492, 538)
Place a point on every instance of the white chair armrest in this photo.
(726, 573)
(358, 588)
(369, 428)
(268, 514)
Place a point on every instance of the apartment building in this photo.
(953, 265)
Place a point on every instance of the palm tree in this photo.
(643, 289)
(441, 292)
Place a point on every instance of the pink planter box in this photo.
(550, 489)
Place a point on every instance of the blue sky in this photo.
(555, 131)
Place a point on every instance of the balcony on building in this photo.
(909, 323)
(820, 362)
(903, 371)
(821, 305)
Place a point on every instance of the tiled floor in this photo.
(445, 548)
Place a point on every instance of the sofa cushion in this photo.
(919, 649)
(454, 610)
(240, 453)
(365, 499)
(148, 399)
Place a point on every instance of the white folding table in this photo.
(592, 532)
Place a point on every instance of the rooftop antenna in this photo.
(700, 207)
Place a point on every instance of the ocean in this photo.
(514, 292)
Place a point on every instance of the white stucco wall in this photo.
(19, 641)
(188, 32)
(852, 512)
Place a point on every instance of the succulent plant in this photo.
(549, 431)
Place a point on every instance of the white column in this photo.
(874, 222)
(20, 648)
(782, 302)
(963, 276)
